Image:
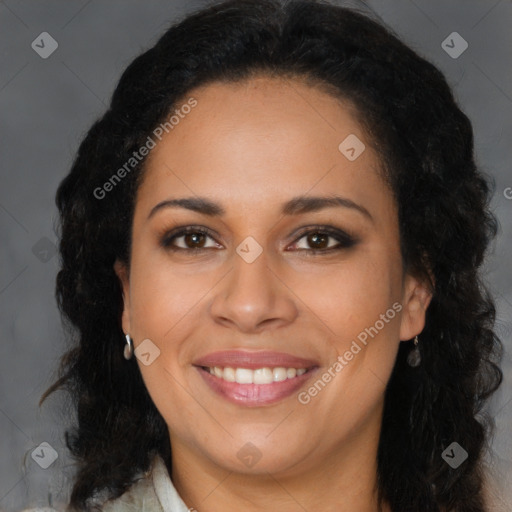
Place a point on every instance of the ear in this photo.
(416, 299)
(122, 273)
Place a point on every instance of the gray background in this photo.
(46, 107)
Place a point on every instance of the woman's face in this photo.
(259, 164)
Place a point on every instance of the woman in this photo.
(271, 246)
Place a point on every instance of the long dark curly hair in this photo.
(425, 143)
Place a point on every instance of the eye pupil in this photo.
(192, 239)
(319, 241)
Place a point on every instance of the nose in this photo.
(253, 297)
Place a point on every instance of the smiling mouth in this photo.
(256, 387)
(264, 375)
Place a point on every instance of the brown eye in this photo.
(194, 240)
(324, 240)
(318, 240)
(188, 239)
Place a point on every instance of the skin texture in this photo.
(251, 147)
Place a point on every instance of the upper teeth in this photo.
(258, 376)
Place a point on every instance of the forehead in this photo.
(261, 138)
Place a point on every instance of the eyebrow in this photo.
(295, 206)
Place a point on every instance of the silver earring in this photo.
(128, 348)
(414, 356)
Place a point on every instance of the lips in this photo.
(253, 360)
(246, 386)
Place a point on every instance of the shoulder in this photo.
(141, 497)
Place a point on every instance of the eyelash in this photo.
(345, 241)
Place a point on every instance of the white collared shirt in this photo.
(154, 492)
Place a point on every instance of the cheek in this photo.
(358, 308)
(165, 298)
(173, 398)
(348, 297)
